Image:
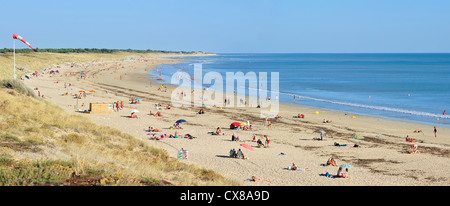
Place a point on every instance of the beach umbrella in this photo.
(92, 91)
(134, 110)
(81, 91)
(180, 121)
(236, 123)
(346, 166)
(138, 99)
(248, 147)
(243, 124)
(321, 131)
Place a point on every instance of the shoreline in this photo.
(377, 108)
(290, 136)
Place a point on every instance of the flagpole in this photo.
(14, 51)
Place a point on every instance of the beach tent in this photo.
(180, 121)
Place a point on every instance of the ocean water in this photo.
(410, 87)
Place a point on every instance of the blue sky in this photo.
(259, 26)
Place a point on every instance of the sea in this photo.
(404, 86)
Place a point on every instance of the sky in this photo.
(232, 26)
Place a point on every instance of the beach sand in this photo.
(379, 160)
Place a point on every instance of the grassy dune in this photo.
(41, 144)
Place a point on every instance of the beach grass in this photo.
(42, 144)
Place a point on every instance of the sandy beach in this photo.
(378, 161)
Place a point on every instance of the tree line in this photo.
(90, 50)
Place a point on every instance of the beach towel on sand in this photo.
(298, 169)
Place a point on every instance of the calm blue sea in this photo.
(411, 87)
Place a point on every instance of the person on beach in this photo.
(443, 113)
(267, 141)
(151, 129)
(408, 139)
(133, 115)
(254, 138)
(234, 138)
(254, 179)
(269, 125)
(342, 174)
(219, 131)
(435, 132)
(260, 144)
(331, 161)
(413, 149)
(294, 167)
(177, 126)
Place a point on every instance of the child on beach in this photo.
(267, 141)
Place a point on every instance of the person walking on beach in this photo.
(435, 132)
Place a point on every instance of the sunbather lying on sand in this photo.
(156, 137)
(418, 131)
(345, 145)
(254, 179)
(299, 116)
(327, 121)
(133, 115)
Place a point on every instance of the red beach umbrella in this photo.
(236, 123)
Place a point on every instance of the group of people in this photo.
(267, 123)
(237, 154)
(117, 106)
(260, 143)
(299, 116)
